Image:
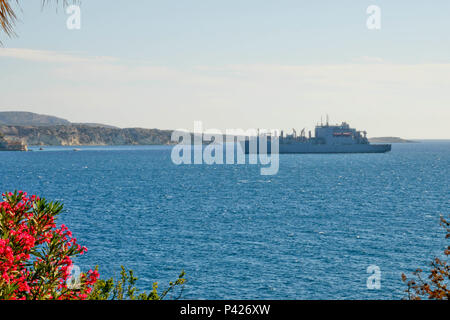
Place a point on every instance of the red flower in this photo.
(35, 256)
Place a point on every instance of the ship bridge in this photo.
(339, 134)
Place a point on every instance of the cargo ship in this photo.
(327, 139)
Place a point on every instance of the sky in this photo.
(234, 64)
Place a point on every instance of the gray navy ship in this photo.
(327, 139)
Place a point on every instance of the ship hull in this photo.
(286, 148)
(317, 148)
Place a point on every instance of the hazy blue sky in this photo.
(234, 64)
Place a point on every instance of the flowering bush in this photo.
(36, 255)
(437, 286)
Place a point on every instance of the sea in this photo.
(327, 226)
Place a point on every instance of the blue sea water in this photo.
(309, 232)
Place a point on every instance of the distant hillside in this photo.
(75, 135)
(390, 140)
(95, 125)
(19, 118)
